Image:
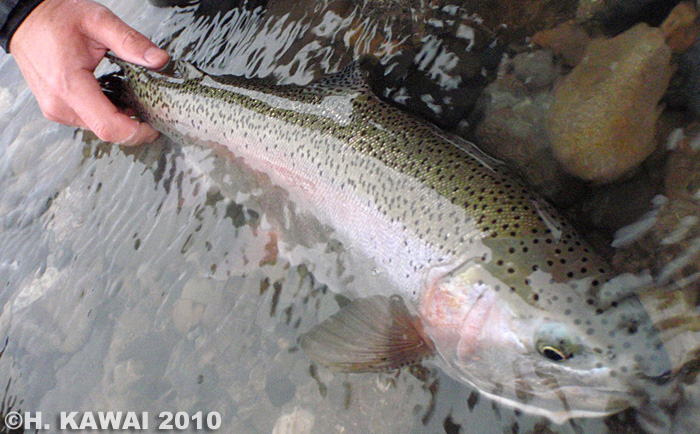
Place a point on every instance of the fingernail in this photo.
(133, 138)
(155, 56)
(144, 134)
(151, 136)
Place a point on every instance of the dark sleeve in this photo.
(12, 13)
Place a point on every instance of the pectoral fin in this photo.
(368, 335)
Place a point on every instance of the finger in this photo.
(56, 110)
(128, 44)
(143, 134)
(101, 116)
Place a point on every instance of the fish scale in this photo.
(500, 287)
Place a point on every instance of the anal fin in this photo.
(368, 335)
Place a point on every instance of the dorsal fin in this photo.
(185, 70)
(350, 78)
(115, 60)
(368, 335)
(179, 69)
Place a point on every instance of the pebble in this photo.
(127, 374)
(200, 290)
(516, 20)
(567, 41)
(186, 315)
(670, 246)
(6, 99)
(512, 127)
(37, 288)
(279, 388)
(602, 121)
(611, 206)
(681, 28)
(300, 421)
(27, 149)
(614, 16)
(687, 92)
(535, 69)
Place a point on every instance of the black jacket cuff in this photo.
(12, 13)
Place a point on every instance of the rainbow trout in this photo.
(483, 274)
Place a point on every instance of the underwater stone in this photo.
(27, 149)
(535, 69)
(186, 315)
(610, 207)
(300, 421)
(517, 20)
(199, 290)
(6, 100)
(671, 246)
(681, 27)
(568, 41)
(279, 388)
(603, 119)
(512, 125)
(615, 16)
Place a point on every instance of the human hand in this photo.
(59, 45)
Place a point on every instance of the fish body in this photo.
(486, 275)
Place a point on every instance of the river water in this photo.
(146, 279)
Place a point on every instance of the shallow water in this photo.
(144, 280)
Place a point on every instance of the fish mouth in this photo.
(567, 408)
(541, 391)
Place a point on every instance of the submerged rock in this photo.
(602, 121)
(514, 20)
(512, 125)
(686, 93)
(568, 41)
(535, 69)
(445, 58)
(609, 207)
(667, 240)
(681, 27)
(300, 421)
(522, 18)
(615, 16)
(6, 99)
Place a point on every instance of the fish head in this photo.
(148, 93)
(562, 354)
(130, 82)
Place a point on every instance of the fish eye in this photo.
(554, 342)
(552, 353)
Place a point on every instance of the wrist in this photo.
(14, 20)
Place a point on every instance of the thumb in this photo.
(126, 42)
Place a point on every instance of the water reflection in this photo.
(430, 60)
(148, 279)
